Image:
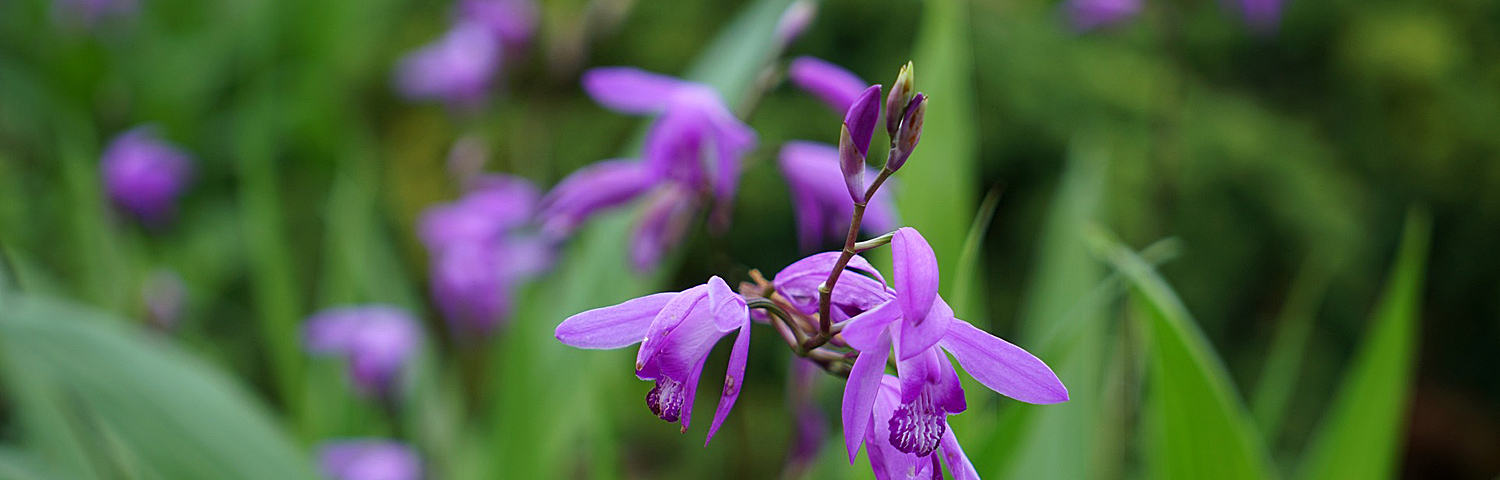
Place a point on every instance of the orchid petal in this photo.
(958, 464)
(860, 391)
(920, 336)
(861, 118)
(671, 315)
(865, 331)
(596, 187)
(630, 90)
(734, 377)
(614, 326)
(831, 83)
(1003, 367)
(728, 308)
(916, 273)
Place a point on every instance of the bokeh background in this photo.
(1319, 191)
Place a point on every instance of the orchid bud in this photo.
(909, 133)
(899, 98)
(852, 164)
(861, 118)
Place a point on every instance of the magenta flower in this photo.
(144, 175)
(1092, 14)
(820, 202)
(693, 150)
(676, 332)
(482, 249)
(377, 341)
(831, 83)
(369, 459)
(512, 22)
(918, 323)
(457, 69)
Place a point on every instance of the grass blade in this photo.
(1361, 434)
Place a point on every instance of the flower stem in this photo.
(825, 291)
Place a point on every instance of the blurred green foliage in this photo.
(1281, 165)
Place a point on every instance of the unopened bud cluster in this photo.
(904, 109)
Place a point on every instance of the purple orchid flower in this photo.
(369, 459)
(592, 189)
(512, 22)
(144, 175)
(831, 83)
(1093, 14)
(693, 119)
(855, 294)
(457, 69)
(482, 249)
(665, 221)
(377, 340)
(676, 332)
(822, 206)
(892, 420)
(920, 325)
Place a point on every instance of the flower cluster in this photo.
(460, 67)
(852, 329)
(692, 153)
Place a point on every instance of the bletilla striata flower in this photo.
(457, 69)
(376, 340)
(921, 328)
(482, 248)
(369, 459)
(676, 332)
(819, 197)
(692, 151)
(144, 175)
(890, 421)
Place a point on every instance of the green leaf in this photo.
(1360, 436)
(1288, 348)
(133, 406)
(1197, 424)
(943, 164)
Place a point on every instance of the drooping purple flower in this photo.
(376, 340)
(920, 325)
(676, 332)
(92, 13)
(892, 420)
(458, 68)
(693, 149)
(369, 459)
(822, 207)
(831, 83)
(482, 248)
(794, 21)
(144, 175)
(1092, 14)
(512, 22)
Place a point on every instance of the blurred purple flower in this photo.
(676, 332)
(918, 323)
(1261, 15)
(164, 295)
(369, 459)
(831, 83)
(512, 22)
(91, 13)
(457, 68)
(144, 175)
(1091, 14)
(482, 249)
(693, 149)
(822, 206)
(795, 20)
(811, 426)
(376, 340)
